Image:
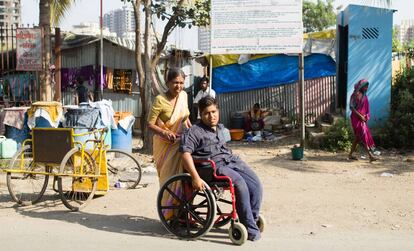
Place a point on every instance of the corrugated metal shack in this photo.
(81, 54)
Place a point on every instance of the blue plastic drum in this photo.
(122, 139)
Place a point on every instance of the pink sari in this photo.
(361, 130)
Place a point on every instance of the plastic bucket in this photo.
(297, 153)
(237, 123)
(122, 139)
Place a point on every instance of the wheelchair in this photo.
(189, 214)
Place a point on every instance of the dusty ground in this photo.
(322, 203)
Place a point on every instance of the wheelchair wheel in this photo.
(238, 233)
(26, 189)
(261, 223)
(76, 191)
(123, 167)
(183, 211)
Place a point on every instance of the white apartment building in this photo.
(10, 13)
(406, 31)
(120, 21)
(91, 28)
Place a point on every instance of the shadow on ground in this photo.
(119, 223)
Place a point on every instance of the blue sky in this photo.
(88, 11)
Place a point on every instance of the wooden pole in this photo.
(302, 100)
(58, 66)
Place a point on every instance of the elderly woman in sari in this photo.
(167, 119)
(360, 115)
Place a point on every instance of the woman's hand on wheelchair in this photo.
(198, 183)
(169, 135)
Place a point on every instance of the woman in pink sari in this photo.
(167, 119)
(360, 115)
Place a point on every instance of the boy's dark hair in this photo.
(173, 73)
(257, 105)
(206, 79)
(206, 102)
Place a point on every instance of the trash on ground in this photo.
(385, 174)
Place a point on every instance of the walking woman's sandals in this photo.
(372, 159)
(351, 157)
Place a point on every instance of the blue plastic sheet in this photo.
(270, 71)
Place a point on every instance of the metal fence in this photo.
(319, 99)
(16, 87)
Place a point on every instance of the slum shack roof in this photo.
(71, 40)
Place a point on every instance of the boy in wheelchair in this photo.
(206, 140)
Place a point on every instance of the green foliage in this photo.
(186, 15)
(318, 16)
(339, 137)
(408, 49)
(396, 44)
(399, 130)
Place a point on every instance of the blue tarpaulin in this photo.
(269, 71)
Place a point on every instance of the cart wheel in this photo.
(261, 223)
(183, 211)
(76, 192)
(238, 233)
(123, 168)
(26, 189)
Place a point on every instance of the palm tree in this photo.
(50, 12)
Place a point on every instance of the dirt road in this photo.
(322, 203)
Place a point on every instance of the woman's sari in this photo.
(361, 105)
(166, 155)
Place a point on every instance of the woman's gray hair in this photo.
(173, 73)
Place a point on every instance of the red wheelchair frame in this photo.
(190, 214)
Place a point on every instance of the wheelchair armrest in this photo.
(200, 158)
(205, 168)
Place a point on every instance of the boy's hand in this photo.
(198, 184)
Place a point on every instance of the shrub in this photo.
(399, 130)
(339, 137)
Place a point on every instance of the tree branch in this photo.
(169, 27)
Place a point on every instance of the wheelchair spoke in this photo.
(196, 217)
(187, 223)
(193, 195)
(225, 201)
(199, 206)
(174, 195)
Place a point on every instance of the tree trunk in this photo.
(138, 62)
(146, 64)
(44, 23)
(143, 64)
(147, 102)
